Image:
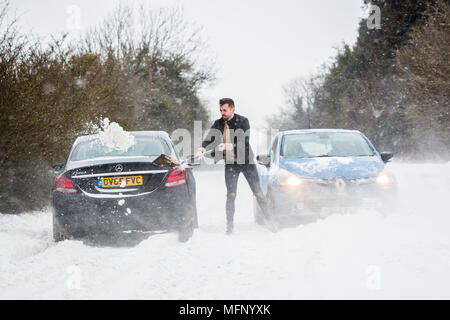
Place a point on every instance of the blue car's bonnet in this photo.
(327, 168)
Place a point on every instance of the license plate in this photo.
(119, 182)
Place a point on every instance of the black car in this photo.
(99, 190)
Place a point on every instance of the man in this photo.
(230, 136)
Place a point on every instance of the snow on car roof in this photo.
(134, 133)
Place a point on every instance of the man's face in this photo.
(226, 111)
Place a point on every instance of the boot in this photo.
(229, 227)
(230, 219)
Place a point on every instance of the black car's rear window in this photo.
(143, 146)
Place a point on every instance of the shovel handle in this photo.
(192, 157)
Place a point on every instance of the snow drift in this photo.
(366, 256)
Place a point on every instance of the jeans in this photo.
(250, 172)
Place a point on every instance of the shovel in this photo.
(167, 162)
(193, 157)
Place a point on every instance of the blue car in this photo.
(313, 173)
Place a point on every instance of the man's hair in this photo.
(228, 101)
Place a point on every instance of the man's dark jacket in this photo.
(236, 123)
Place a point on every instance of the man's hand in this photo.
(225, 146)
(200, 153)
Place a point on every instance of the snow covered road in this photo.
(363, 256)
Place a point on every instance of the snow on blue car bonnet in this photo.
(328, 154)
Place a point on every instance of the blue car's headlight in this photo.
(287, 179)
(384, 179)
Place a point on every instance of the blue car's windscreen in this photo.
(330, 144)
(143, 146)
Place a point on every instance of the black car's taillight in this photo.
(177, 178)
(64, 185)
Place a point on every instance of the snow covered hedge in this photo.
(139, 67)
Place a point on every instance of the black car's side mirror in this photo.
(386, 156)
(58, 168)
(263, 159)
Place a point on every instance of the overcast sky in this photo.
(258, 45)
